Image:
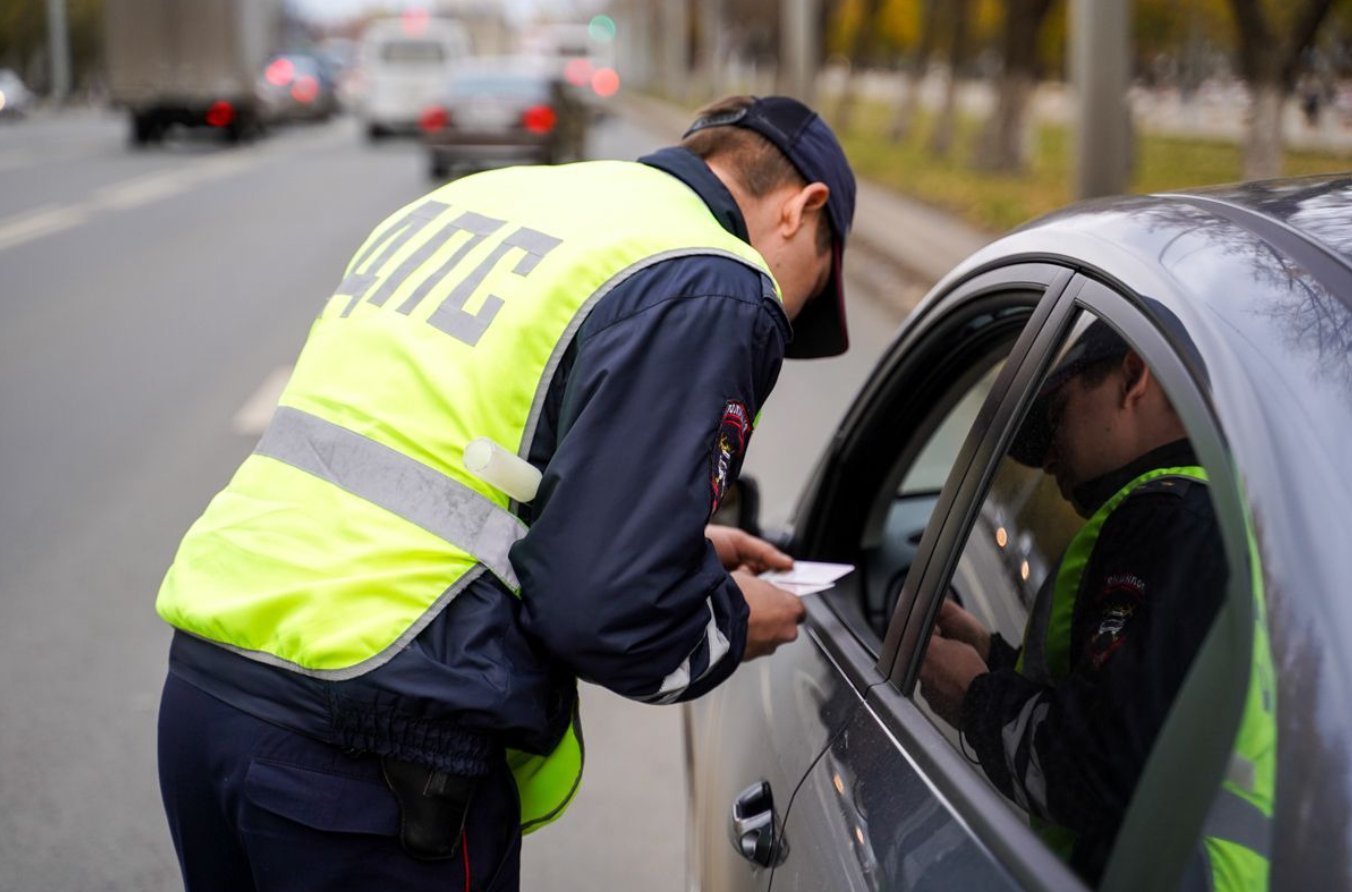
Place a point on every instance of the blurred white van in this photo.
(405, 65)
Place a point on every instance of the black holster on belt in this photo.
(433, 806)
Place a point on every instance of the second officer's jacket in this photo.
(606, 321)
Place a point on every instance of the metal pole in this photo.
(676, 74)
(1100, 72)
(712, 26)
(59, 43)
(798, 49)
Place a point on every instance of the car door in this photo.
(765, 727)
(892, 469)
(896, 801)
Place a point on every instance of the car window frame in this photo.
(982, 286)
(1181, 776)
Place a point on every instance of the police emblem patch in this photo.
(734, 429)
(1118, 602)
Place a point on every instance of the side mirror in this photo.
(740, 506)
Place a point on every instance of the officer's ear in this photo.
(799, 207)
(1136, 379)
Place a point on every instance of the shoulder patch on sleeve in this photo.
(725, 459)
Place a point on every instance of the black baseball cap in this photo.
(1098, 344)
(805, 139)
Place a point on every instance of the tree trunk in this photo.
(1270, 62)
(941, 140)
(1263, 139)
(909, 100)
(1004, 142)
(860, 42)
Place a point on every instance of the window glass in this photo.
(1090, 576)
(936, 459)
(414, 52)
(922, 464)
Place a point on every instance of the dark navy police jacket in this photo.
(619, 586)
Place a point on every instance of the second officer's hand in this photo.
(775, 615)
(947, 673)
(958, 624)
(739, 550)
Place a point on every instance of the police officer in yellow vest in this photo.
(489, 476)
(1063, 725)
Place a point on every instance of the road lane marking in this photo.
(254, 415)
(141, 190)
(145, 189)
(36, 223)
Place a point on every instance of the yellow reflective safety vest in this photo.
(354, 522)
(1237, 832)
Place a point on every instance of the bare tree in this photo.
(1270, 61)
(956, 13)
(909, 101)
(1003, 140)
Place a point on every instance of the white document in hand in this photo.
(807, 577)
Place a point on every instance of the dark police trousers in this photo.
(253, 806)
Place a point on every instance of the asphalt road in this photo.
(150, 306)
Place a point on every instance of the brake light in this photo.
(279, 72)
(605, 82)
(434, 118)
(305, 89)
(539, 119)
(220, 114)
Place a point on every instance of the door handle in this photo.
(753, 826)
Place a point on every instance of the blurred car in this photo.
(15, 98)
(403, 65)
(580, 59)
(823, 767)
(503, 110)
(298, 87)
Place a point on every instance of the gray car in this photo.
(824, 767)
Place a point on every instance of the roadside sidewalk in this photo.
(918, 238)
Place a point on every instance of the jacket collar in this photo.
(1090, 495)
(690, 169)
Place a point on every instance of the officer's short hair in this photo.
(757, 164)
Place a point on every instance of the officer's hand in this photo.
(775, 615)
(739, 550)
(958, 624)
(946, 674)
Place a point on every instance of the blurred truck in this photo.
(190, 62)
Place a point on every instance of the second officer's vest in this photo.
(354, 522)
(1233, 855)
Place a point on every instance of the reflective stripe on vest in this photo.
(1045, 656)
(354, 523)
(1234, 851)
(397, 483)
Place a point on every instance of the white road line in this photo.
(141, 190)
(144, 189)
(33, 224)
(254, 415)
